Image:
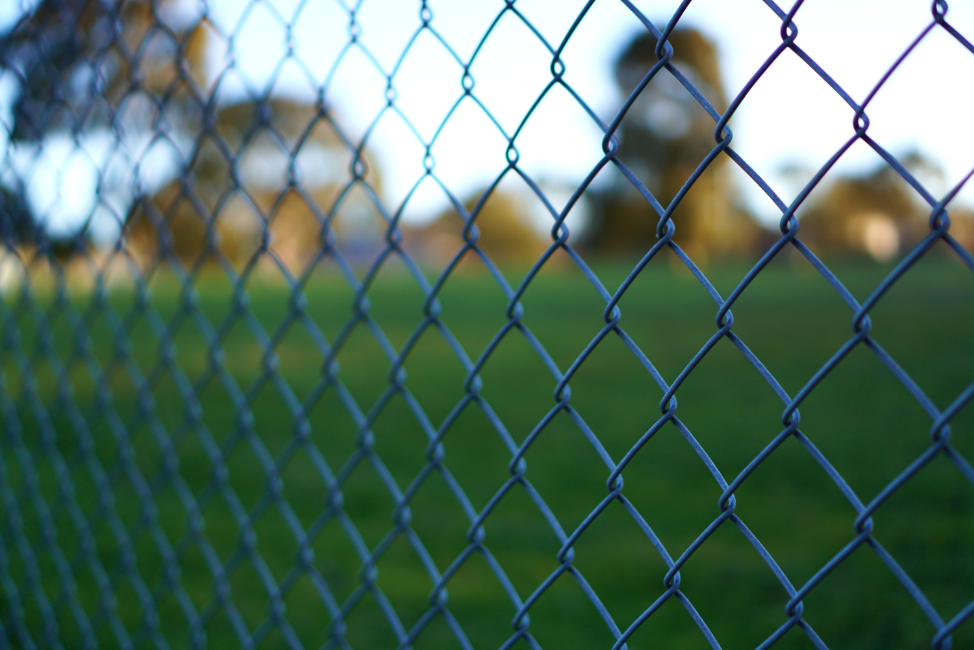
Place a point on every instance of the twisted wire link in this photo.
(64, 515)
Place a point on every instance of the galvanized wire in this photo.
(21, 487)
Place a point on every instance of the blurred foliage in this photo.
(664, 137)
(16, 222)
(874, 212)
(501, 227)
(86, 65)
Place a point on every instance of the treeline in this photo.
(184, 179)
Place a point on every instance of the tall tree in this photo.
(664, 137)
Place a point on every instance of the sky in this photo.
(791, 120)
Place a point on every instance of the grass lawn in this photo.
(98, 407)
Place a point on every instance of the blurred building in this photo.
(274, 168)
(663, 138)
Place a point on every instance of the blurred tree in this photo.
(504, 231)
(663, 138)
(77, 60)
(61, 55)
(86, 65)
(962, 227)
(875, 213)
(16, 223)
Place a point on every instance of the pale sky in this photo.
(791, 118)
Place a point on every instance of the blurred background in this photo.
(251, 99)
(221, 224)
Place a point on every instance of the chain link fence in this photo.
(194, 455)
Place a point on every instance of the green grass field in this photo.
(864, 422)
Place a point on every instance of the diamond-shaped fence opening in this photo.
(366, 325)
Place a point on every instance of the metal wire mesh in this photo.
(82, 495)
